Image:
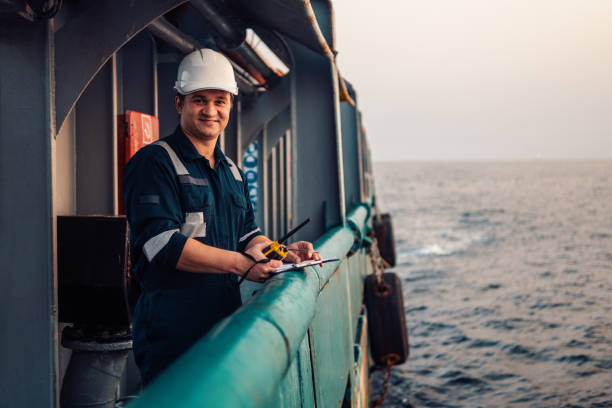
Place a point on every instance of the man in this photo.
(193, 233)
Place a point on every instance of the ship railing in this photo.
(290, 345)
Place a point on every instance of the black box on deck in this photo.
(93, 270)
(386, 319)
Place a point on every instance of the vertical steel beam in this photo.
(324, 14)
(360, 157)
(260, 213)
(263, 159)
(238, 120)
(154, 83)
(114, 146)
(28, 317)
(282, 214)
(288, 180)
(273, 189)
(338, 125)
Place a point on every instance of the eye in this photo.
(221, 102)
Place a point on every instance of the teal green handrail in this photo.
(241, 362)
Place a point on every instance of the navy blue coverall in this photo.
(171, 193)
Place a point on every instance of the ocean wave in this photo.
(450, 244)
(506, 280)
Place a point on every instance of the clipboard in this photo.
(297, 266)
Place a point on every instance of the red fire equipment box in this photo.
(135, 131)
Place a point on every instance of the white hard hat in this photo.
(205, 69)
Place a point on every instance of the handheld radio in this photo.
(276, 250)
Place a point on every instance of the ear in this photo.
(178, 105)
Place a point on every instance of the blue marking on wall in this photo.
(250, 162)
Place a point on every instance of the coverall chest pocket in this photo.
(237, 210)
(197, 204)
(239, 203)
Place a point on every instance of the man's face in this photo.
(204, 114)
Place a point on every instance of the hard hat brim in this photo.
(217, 88)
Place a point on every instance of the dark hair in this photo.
(181, 97)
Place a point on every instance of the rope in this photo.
(385, 386)
(378, 263)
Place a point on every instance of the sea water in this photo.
(507, 280)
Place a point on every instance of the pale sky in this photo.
(480, 79)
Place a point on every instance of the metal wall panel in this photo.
(359, 265)
(27, 312)
(276, 127)
(350, 153)
(332, 348)
(259, 109)
(166, 76)
(296, 388)
(138, 70)
(94, 145)
(314, 144)
(289, 393)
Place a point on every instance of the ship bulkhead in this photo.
(81, 83)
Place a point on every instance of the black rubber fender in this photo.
(386, 319)
(383, 228)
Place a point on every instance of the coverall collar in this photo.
(187, 150)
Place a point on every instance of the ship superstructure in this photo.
(83, 85)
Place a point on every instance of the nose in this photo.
(208, 109)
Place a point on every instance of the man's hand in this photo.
(302, 251)
(260, 272)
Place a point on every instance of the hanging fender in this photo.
(383, 228)
(386, 319)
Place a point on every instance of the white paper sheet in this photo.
(301, 265)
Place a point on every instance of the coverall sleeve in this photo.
(153, 207)
(249, 229)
